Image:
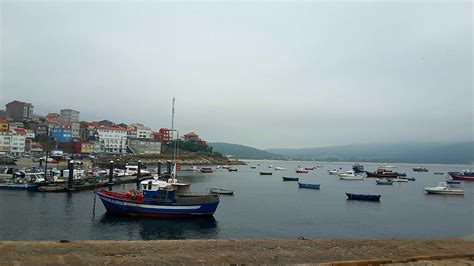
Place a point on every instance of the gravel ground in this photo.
(230, 251)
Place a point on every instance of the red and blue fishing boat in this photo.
(160, 199)
(466, 175)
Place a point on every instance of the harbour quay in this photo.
(270, 251)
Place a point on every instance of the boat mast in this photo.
(175, 148)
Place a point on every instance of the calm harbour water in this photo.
(262, 207)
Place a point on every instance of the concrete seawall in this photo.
(353, 252)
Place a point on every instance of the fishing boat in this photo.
(444, 189)
(384, 173)
(286, 178)
(301, 171)
(365, 197)
(222, 191)
(266, 173)
(206, 170)
(309, 168)
(333, 172)
(310, 186)
(420, 169)
(160, 199)
(232, 169)
(465, 175)
(358, 168)
(350, 175)
(280, 168)
(384, 181)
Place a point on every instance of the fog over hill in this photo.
(403, 152)
(243, 152)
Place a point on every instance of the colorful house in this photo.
(61, 134)
(4, 126)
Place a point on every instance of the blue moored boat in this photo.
(19, 186)
(358, 168)
(311, 186)
(366, 197)
(160, 199)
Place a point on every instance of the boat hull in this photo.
(29, 187)
(462, 177)
(168, 210)
(310, 186)
(290, 178)
(363, 197)
(384, 183)
(440, 192)
(345, 177)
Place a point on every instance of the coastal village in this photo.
(25, 133)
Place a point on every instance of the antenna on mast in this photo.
(174, 140)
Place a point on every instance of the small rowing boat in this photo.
(266, 173)
(221, 191)
(384, 182)
(311, 186)
(365, 197)
(285, 178)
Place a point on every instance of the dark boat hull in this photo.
(290, 178)
(460, 176)
(310, 186)
(29, 187)
(266, 173)
(166, 210)
(363, 197)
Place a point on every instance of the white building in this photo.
(76, 130)
(112, 139)
(71, 118)
(139, 131)
(11, 142)
(30, 134)
(5, 140)
(68, 116)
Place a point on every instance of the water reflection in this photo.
(152, 229)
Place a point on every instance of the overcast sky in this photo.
(266, 74)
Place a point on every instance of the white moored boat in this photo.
(279, 168)
(333, 172)
(443, 188)
(350, 175)
(399, 179)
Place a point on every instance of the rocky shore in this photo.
(303, 251)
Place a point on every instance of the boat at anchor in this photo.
(444, 189)
(160, 199)
(310, 186)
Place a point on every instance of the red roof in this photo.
(55, 122)
(191, 134)
(36, 145)
(52, 115)
(20, 131)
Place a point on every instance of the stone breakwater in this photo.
(357, 252)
